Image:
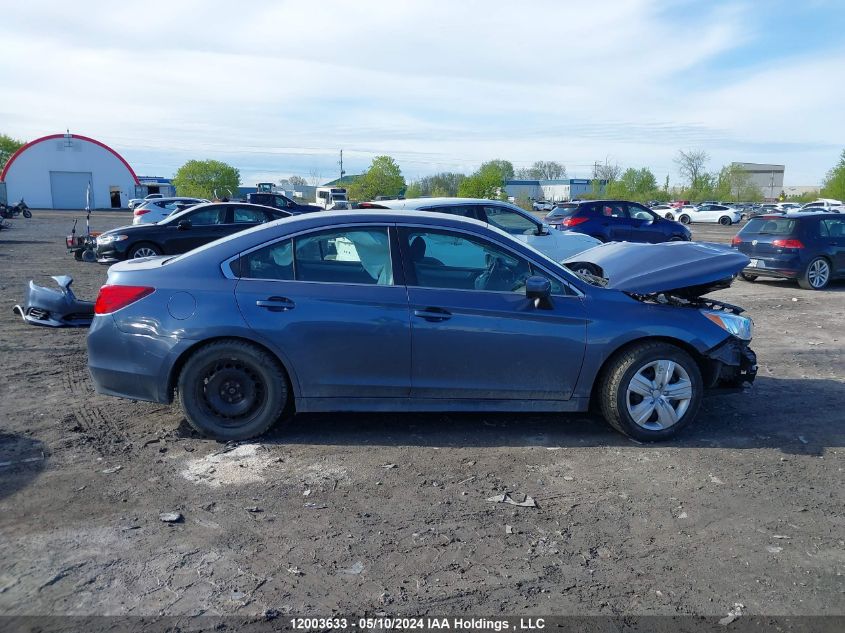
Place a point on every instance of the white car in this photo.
(556, 245)
(152, 211)
(665, 210)
(720, 213)
(824, 204)
(542, 205)
(137, 202)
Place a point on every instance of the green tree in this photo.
(691, 165)
(734, 184)
(504, 167)
(206, 179)
(487, 182)
(542, 170)
(8, 146)
(442, 185)
(383, 178)
(414, 190)
(834, 182)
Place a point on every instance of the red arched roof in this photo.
(55, 136)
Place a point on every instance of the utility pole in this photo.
(341, 165)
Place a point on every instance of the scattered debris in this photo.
(305, 493)
(295, 571)
(734, 613)
(170, 517)
(112, 470)
(716, 480)
(568, 478)
(780, 536)
(356, 569)
(315, 506)
(508, 529)
(683, 515)
(386, 466)
(774, 550)
(254, 509)
(528, 502)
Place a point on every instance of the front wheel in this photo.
(669, 216)
(748, 277)
(232, 390)
(27, 213)
(816, 276)
(684, 219)
(144, 249)
(725, 221)
(650, 391)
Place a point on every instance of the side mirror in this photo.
(540, 290)
(183, 225)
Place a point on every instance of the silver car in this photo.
(152, 211)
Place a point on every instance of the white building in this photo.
(57, 171)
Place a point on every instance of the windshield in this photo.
(769, 226)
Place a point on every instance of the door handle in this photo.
(276, 304)
(433, 314)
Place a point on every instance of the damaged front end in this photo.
(55, 308)
(730, 366)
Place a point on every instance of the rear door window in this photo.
(247, 215)
(208, 216)
(509, 220)
(359, 256)
(832, 227)
(462, 210)
(613, 210)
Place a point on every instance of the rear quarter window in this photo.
(770, 226)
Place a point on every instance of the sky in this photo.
(278, 87)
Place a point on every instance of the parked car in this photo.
(720, 213)
(616, 221)
(135, 202)
(182, 231)
(503, 215)
(665, 210)
(158, 209)
(311, 313)
(807, 247)
(542, 205)
(280, 201)
(824, 204)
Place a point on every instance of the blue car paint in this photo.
(618, 229)
(549, 363)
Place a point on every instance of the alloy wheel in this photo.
(144, 251)
(659, 394)
(818, 273)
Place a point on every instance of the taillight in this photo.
(573, 221)
(140, 211)
(788, 243)
(736, 240)
(113, 298)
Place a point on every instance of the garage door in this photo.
(68, 189)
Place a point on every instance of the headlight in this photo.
(108, 239)
(740, 326)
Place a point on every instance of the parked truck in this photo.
(332, 198)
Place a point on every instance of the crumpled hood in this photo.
(690, 269)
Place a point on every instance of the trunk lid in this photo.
(686, 269)
(757, 238)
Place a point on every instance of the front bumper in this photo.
(730, 365)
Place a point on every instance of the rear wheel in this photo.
(748, 277)
(725, 221)
(27, 213)
(232, 390)
(684, 219)
(816, 276)
(144, 249)
(650, 391)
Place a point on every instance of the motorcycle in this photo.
(7, 212)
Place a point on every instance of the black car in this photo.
(183, 231)
(279, 201)
(807, 247)
(616, 221)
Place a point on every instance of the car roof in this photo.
(193, 209)
(417, 203)
(797, 215)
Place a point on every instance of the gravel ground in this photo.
(369, 513)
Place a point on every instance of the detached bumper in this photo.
(730, 365)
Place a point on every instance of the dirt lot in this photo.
(369, 513)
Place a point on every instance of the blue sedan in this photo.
(418, 311)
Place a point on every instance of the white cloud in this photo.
(441, 85)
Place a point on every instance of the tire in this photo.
(816, 275)
(617, 400)
(586, 267)
(257, 384)
(725, 221)
(748, 277)
(684, 219)
(669, 216)
(143, 249)
(27, 213)
(89, 256)
(77, 255)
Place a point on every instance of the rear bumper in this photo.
(134, 366)
(779, 273)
